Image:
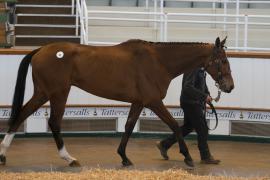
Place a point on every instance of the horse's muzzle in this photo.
(229, 90)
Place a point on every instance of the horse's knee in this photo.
(129, 124)
(175, 128)
(55, 127)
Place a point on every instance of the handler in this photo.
(194, 96)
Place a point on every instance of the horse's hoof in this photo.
(127, 163)
(189, 162)
(162, 150)
(3, 159)
(75, 163)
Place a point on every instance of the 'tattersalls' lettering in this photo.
(258, 116)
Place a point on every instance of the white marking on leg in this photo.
(6, 143)
(65, 155)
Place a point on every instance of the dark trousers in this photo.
(194, 119)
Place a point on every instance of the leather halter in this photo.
(218, 63)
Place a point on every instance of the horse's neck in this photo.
(181, 58)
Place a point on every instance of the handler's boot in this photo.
(210, 160)
(207, 158)
(163, 150)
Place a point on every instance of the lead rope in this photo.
(213, 112)
(216, 99)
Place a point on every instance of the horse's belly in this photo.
(117, 80)
(111, 90)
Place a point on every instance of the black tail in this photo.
(20, 87)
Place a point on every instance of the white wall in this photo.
(252, 86)
(251, 82)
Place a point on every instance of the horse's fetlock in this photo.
(121, 151)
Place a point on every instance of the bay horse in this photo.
(135, 71)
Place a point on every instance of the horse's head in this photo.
(218, 67)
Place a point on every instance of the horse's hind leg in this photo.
(161, 111)
(134, 114)
(30, 107)
(58, 101)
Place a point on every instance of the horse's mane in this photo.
(165, 43)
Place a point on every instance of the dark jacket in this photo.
(194, 88)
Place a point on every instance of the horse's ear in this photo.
(223, 42)
(217, 43)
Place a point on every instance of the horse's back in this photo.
(125, 72)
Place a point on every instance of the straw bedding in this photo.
(100, 174)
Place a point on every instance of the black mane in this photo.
(165, 43)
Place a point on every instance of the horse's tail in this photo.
(20, 87)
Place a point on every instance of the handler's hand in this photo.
(209, 99)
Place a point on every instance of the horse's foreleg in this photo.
(161, 111)
(31, 106)
(58, 102)
(134, 113)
